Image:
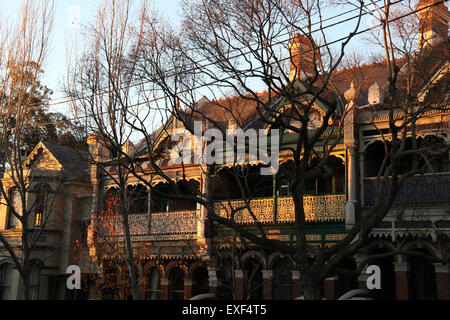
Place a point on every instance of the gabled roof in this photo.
(74, 163)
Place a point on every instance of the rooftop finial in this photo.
(350, 94)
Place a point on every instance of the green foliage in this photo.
(22, 88)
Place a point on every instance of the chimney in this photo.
(433, 22)
(301, 50)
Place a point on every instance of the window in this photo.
(154, 285)
(35, 277)
(5, 281)
(12, 221)
(40, 204)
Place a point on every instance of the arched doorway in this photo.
(374, 156)
(137, 199)
(35, 280)
(153, 285)
(225, 274)
(422, 278)
(282, 279)
(346, 279)
(176, 284)
(200, 282)
(386, 264)
(253, 279)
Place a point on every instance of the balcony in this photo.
(158, 225)
(318, 208)
(419, 190)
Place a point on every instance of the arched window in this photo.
(282, 281)
(6, 270)
(40, 205)
(176, 284)
(200, 283)
(35, 279)
(154, 285)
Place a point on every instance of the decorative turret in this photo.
(434, 17)
(301, 50)
(350, 94)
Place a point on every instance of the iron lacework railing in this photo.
(157, 223)
(417, 190)
(318, 208)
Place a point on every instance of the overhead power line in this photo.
(68, 99)
(230, 77)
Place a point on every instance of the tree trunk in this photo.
(26, 283)
(311, 288)
(130, 260)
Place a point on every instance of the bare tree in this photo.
(231, 47)
(225, 45)
(24, 49)
(101, 84)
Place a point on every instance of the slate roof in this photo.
(74, 162)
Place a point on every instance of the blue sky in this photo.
(64, 32)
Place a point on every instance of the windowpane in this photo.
(40, 204)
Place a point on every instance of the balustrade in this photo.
(318, 208)
(156, 224)
(417, 190)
